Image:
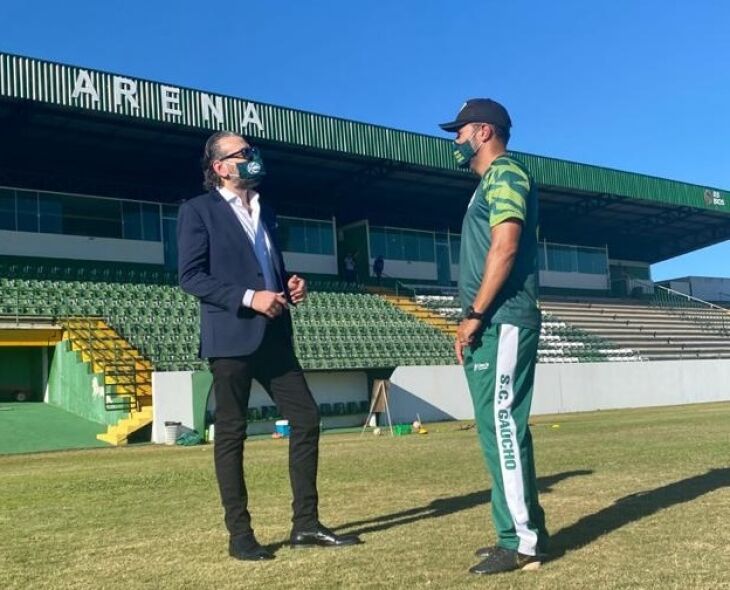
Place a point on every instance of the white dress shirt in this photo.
(258, 236)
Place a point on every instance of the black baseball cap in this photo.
(480, 110)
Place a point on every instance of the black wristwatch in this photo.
(473, 315)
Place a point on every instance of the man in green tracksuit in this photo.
(497, 340)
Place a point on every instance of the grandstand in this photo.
(89, 307)
(664, 326)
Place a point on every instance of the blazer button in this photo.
(259, 274)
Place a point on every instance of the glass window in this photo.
(377, 242)
(562, 259)
(170, 242)
(150, 222)
(92, 217)
(170, 211)
(455, 249)
(307, 236)
(297, 236)
(410, 246)
(282, 233)
(57, 213)
(541, 255)
(27, 211)
(591, 261)
(327, 235)
(7, 209)
(402, 244)
(314, 243)
(393, 245)
(132, 221)
(51, 213)
(426, 247)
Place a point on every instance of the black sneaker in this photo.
(505, 560)
(483, 552)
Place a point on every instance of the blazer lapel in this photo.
(232, 223)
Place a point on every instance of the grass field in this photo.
(634, 499)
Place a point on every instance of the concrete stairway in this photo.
(408, 305)
(127, 374)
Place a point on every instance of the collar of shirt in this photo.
(230, 196)
(256, 233)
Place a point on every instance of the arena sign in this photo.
(70, 86)
(127, 91)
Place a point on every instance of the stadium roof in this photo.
(121, 136)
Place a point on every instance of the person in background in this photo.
(349, 264)
(378, 266)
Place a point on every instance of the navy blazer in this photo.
(217, 264)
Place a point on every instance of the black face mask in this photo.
(253, 168)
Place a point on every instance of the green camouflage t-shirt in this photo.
(506, 191)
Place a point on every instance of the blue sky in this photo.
(640, 86)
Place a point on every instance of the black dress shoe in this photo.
(247, 548)
(320, 536)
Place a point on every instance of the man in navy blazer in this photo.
(228, 257)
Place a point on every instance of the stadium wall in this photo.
(440, 393)
(405, 269)
(574, 280)
(181, 396)
(74, 387)
(14, 243)
(311, 263)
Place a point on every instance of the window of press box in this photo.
(306, 236)
(455, 244)
(7, 209)
(402, 244)
(567, 258)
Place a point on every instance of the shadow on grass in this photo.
(437, 508)
(445, 506)
(635, 507)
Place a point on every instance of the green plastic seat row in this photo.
(267, 413)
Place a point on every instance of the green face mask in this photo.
(253, 168)
(464, 152)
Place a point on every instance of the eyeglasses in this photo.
(247, 153)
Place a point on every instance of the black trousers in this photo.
(275, 366)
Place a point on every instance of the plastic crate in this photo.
(402, 429)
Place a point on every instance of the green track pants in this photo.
(500, 371)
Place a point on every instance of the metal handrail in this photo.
(399, 285)
(414, 288)
(692, 298)
(111, 369)
(680, 304)
(120, 363)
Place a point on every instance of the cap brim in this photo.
(453, 126)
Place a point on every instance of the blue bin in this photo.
(282, 427)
